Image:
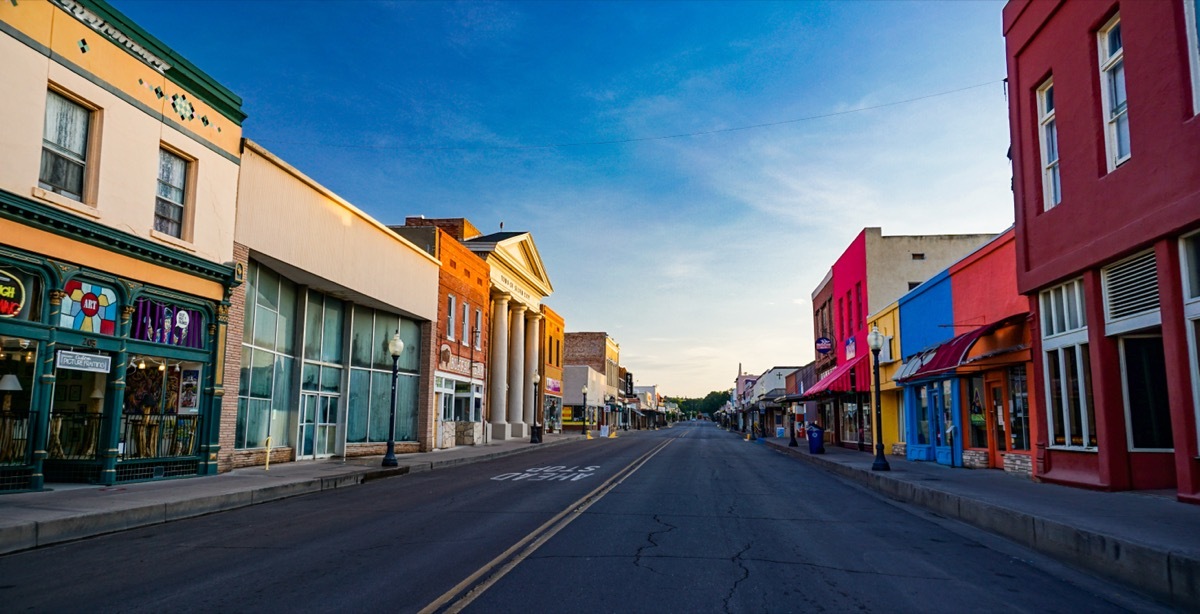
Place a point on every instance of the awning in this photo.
(638, 412)
(949, 355)
(838, 380)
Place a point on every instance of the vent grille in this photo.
(1132, 287)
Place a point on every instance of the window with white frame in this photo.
(451, 308)
(169, 204)
(478, 329)
(64, 146)
(466, 323)
(1071, 413)
(1112, 83)
(1048, 133)
(1190, 261)
(1191, 12)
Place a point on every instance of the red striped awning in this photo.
(838, 380)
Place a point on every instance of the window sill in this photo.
(174, 242)
(70, 204)
(1073, 449)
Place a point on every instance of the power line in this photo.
(652, 138)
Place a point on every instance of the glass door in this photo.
(998, 420)
(318, 425)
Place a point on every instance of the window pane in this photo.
(976, 418)
(310, 377)
(358, 410)
(314, 317)
(239, 433)
(258, 413)
(1146, 381)
(922, 416)
(331, 344)
(244, 374)
(1055, 403)
(1113, 40)
(1060, 309)
(360, 337)
(282, 401)
(406, 408)
(1090, 409)
(1123, 135)
(380, 405)
(331, 379)
(66, 126)
(267, 289)
(61, 175)
(265, 327)
(262, 379)
(1072, 307)
(1192, 255)
(1018, 391)
(1074, 407)
(285, 339)
(386, 325)
(172, 173)
(410, 333)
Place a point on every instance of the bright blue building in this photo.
(926, 322)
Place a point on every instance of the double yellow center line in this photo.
(463, 593)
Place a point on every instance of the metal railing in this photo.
(14, 438)
(158, 435)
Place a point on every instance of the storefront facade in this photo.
(931, 395)
(553, 328)
(314, 371)
(118, 184)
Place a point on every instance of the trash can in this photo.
(535, 434)
(816, 439)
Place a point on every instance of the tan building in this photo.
(327, 287)
(118, 185)
(552, 369)
(603, 354)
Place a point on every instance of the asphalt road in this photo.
(687, 519)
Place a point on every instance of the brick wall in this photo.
(233, 360)
(585, 349)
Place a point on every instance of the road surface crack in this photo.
(737, 558)
(652, 542)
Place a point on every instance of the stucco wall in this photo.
(290, 218)
(926, 316)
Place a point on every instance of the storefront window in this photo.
(17, 360)
(265, 393)
(976, 416)
(1018, 391)
(369, 409)
(922, 416)
(88, 307)
(20, 294)
(161, 410)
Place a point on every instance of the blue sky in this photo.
(695, 252)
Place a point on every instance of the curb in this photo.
(33, 534)
(1166, 574)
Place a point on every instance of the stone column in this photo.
(533, 364)
(498, 368)
(516, 374)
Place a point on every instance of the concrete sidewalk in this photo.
(1148, 540)
(70, 511)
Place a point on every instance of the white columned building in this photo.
(519, 284)
(498, 363)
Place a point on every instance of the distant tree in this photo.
(706, 405)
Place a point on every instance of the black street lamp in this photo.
(396, 348)
(535, 433)
(792, 443)
(586, 435)
(875, 342)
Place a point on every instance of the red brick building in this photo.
(1103, 107)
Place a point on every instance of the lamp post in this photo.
(535, 433)
(585, 411)
(875, 342)
(395, 348)
(792, 443)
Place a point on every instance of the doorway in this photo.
(997, 423)
(318, 425)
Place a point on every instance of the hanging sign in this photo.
(824, 345)
(77, 361)
(12, 294)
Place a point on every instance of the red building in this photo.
(1107, 191)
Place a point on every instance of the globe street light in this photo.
(583, 404)
(875, 342)
(395, 348)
